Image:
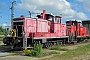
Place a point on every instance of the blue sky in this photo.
(70, 9)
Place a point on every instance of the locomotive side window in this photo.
(49, 17)
(57, 19)
(69, 22)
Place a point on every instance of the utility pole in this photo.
(30, 14)
(12, 12)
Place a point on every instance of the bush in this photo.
(37, 51)
(1, 33)
(27, 52)
(86, 40)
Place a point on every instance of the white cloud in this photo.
(80, 15)
(86, 4)
(56, 7)
(6, 25)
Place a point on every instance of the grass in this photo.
(1, 37)
(60, 48)
(86, 40)
(72, 53)
(54, 52)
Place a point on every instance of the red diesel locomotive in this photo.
(47, 29)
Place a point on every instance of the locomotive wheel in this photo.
(47, 46)
(50, 44)
(13, 46)
(6, 41)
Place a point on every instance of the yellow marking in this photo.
(14, 33)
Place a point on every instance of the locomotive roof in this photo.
(86, 21)
(19, 18)
(58, 16)
(49, 15)
(73, 20)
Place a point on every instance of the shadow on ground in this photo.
(5, 48)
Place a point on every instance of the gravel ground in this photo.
(82, 57)
(18, 57)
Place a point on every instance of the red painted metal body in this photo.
(83, 31)
(43, 26)
(74, 26)
(38, 27)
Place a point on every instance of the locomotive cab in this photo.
(16, 33)
(73, 27)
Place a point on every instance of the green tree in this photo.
(1, 30)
